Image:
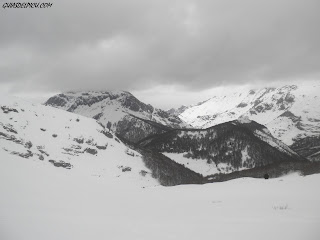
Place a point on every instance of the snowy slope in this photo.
(290, 112)
(49, 137)
(50, 204)
(199, 165)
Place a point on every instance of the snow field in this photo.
(39, 202)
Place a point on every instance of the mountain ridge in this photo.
(224, 148)
(118, 109)
(290, 112)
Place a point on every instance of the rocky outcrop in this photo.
(178, 111)
(61, 164)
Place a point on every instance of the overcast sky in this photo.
(167, 52)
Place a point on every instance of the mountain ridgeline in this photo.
(49, 137)
(178, 154)
(128, 117)
(225, 148)
(290, 112)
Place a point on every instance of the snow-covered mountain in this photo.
(57, 138)
(50, 137)
(224, 148)
(291, 112)
(127, 116)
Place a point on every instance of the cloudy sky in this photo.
(167, 52)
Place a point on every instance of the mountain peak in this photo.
(290, 111)
(120, 109)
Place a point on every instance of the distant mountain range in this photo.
(113, 134)
(233, 143)
(291, 112)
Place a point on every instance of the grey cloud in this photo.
(118, 44)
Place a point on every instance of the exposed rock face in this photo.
(61, 164)
(6, 109)
(178, 111)
(91, 151)
(59, 100)
(132, 103)
(11, 138)
(121, 110)
(227, 147)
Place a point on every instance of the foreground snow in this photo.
(42, 202)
